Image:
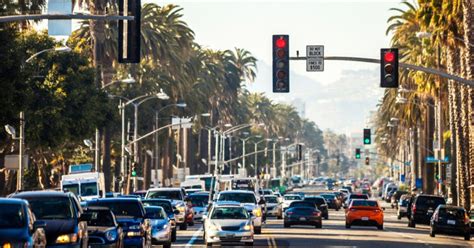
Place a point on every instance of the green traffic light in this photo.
(134, 173)
(366, 141)
(357, 156)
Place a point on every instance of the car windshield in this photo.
(457, 214)
(199, 200)
(165, 194)
(51, 208)
(427, 201)
(292, 197)
(74, 188)
(122, 208)
(235, 213)
(165, 205)
(238, 197)
(12, 216)
(358, 203)
(88, 189)
(271, 199)
(155, 212)
(99, 218)
(327, 196)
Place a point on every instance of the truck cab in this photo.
(83, 183)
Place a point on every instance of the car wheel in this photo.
(348, 226)
(286, 225)
(183, 226)
(399, 217)
(467, 236)
(337, 209)
(326, 217)
(319, 225)
(411, 223)
(432, 232)
(380, 227)
(173, 235)
(257, 230)
(167, 245)
(191, 223)
(280, 217)
(208, 244)
(249, 244)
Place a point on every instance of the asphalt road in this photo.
(396, 234)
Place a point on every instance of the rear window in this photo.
(429, 201)
(165, 205)
(292, 197)
(99, 218)
(358, 203)
(302, 204)
(171, 195)
(457, 214)
(359, 197)
(238, 197)
(199, 200)
(121, 208)
(271, 199)
(12, 216)
(318, 200)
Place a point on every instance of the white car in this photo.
(176, 195)
(273, 206)
(229, 223)
(249, 201)
(289, 198)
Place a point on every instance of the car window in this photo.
(88, 189)
(12, 216)
(99, 218)
(318, 200)
(122, 208)
(292, 197)
(74, 188)
(301, 204)
(326, 196)
(356, 203)
(52, 208)
(229, 213)
(199, 200)
(270, 199)
(155, 213)
(457, 214)
(359, 197)
(238, 197)
(165, 205)
(427, 201)
(164, 194)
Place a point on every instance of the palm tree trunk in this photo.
(106, 166)
(452, 65)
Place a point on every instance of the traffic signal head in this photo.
(367, 138)
(389, 68)
(299, 152)
(357, 155)
(281, 63)
(367, 160)
(129, 33)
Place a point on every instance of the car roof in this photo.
(156, 200)
(292, 195)
(200, 193)
(313, 196)
(116, 199)
(154, 207)
(451, 207)
(42, 193)
(96, 208)
(164, 189)
(236, 191)
(227, 203)
(13, 201)
(427, 195)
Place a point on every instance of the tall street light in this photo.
(56, 49)
(256, 155)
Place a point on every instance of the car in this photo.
(364, 213)
(102, 228)
(289, 198)
(403, 206)
(348, 188)
(18, 225)
(264, 192)
(273, 206)
(396, 197)
(130, 214)
(388, 196)
(139, 193)
(450, 220)
(62, 214)
(228, 223)
(423, 207)
(354, 196)
(177, 197)
(160, 226)
(321, 204)
(302, 213)
(331, 200)
(199, 202)
(169, 210)
(249, 201)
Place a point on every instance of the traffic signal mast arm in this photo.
(402, 65)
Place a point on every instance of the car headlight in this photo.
(7, 245)
(214, 228)
(257, 212)
(181, 209)
(247, 227)
(134, 234)
(111, 235)
(67, 238)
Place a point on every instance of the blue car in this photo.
(18, 225)
(130, 215)
(167, 206)
(160, 226)
(103, 229)
(62, 214)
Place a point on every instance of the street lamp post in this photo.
(11, 131)
(256, 155)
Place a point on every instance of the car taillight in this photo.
(377, 210)
(467, 220)
(316, 213)
(413, 209)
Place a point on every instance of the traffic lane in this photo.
(334, 234)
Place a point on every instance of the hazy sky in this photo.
(339, 98)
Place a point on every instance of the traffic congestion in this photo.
(229, 210)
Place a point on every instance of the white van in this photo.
(193, 185)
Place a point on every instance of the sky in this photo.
(341, 97)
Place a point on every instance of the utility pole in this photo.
(20, 151)
(122, 145)
(209, 151)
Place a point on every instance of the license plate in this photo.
(302, 218)
(451, 222)
(230, 235)
(365, 218)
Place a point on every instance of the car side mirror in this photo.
(383, 208)
(176, 211)
(204, 217)
(39, 224)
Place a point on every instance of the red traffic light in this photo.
(389, 57)
(280, 43)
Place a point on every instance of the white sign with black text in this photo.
(314, 58)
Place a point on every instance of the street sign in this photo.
(314, 58)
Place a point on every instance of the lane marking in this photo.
(269, 243)
(274, 242)
(193, 239)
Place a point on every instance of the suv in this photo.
(354, 196)
(423, 207)
(249, 201)
(321, 204)
(177, 197)
(61, 212)
(18, 225)
(130, 215)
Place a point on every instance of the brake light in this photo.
(413, 209)
(316, 213)
(467, 220)
(377, 210)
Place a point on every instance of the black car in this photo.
(62, 215)
(302, 213)
(450, 220)
(103, 228)
(321, 204)
(331, 201)
(167, 205)
(18, 225)
(422, 209)
(130, 215)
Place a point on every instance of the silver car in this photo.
(160, 226)
(249, 202)
(274, 206)
(228, 223)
